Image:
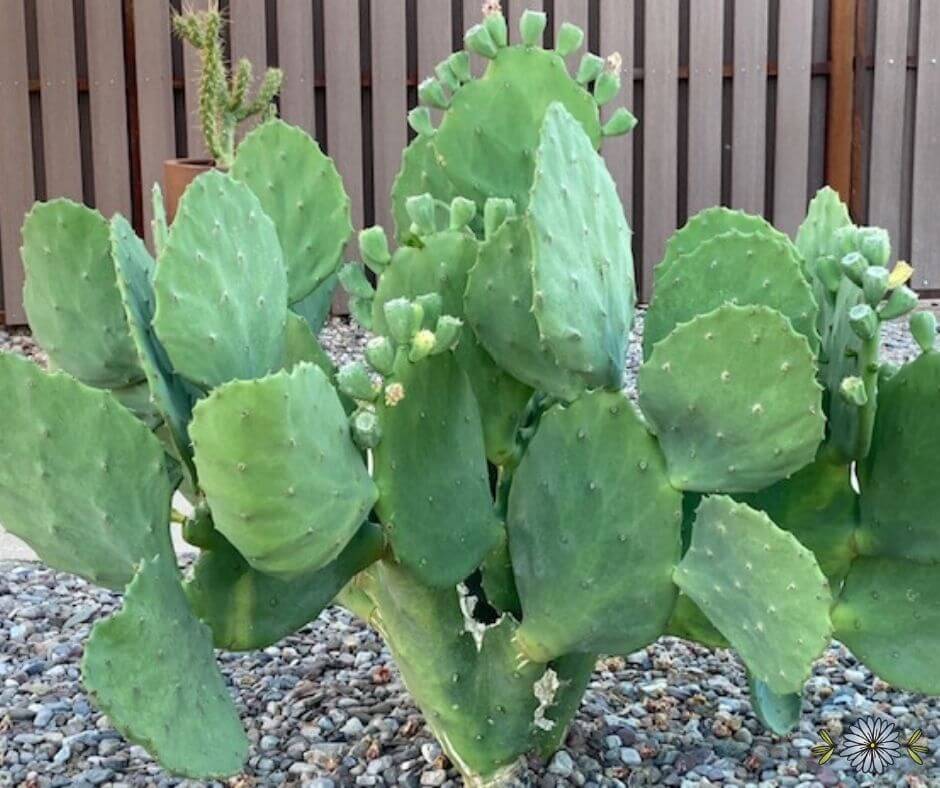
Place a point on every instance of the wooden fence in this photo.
(750, 103)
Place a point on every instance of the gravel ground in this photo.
(326, 707)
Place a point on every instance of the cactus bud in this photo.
(875, 283)
(853, 391)
(400, 316)
(431, 92)
(590, 68)
(900, 274)
(496, 210)
(353, 279)
(423, 214)
(380, 353)
(901, 301)
(863, 321)
(532, 27)
(853, 266)
(459, 63)
(447, 333)
(446, 76)
(355, 381)
(422, 345)
(495, 23)
(394, 393)
(373, 244)
(462, 212)
(431, 305)
(365, 428)
(886, 371)
(570, 37)
(479, 41)
(846, 240)
(361, 311)
(829, 272)
(621, 122)
(924, 330)
(873, 242)
(608, 84)
(420, 120)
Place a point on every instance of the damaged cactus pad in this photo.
(480, 488)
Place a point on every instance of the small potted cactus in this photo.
(223, 100)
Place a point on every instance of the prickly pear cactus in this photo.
(480, 488)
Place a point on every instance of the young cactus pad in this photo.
(479, 488)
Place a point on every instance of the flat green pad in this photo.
(315, 308)
(779, 713)
(220, 286)
(479, 702)
(285, 483)
(134, 268)
(136, 398)
(301, 191)
(248, 610)
(690, 623)
(434, 501)
(900, 496)
(420, 173)
(441, 266)
(706, 225)
(582, 266)
(761, 588)
(593, 463)
(732, 396)
(817, 234)
(151, 669)
(86, 484)
(498, 305)
(737, 269)
(889, 616)
(301, 345)
(487, 139)
(71, 297)
(819, 507)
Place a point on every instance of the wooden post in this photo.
(840, 126)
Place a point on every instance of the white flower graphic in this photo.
(871, 745)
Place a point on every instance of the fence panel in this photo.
(616, 35)
(748, 136)
(295, 48)
(706, 30)
(16, 156)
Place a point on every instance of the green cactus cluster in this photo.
(480, 488)
(224, 100)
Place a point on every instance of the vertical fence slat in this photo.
(344, 103)
(616, 35)
(195, 143)
(660, 137)
(576, 13)
(16, 157)
(887, 122)
(389, 101)
(516, 9)
(434, 35)
(706, 27)
(107, 102)
(925, 229)
(59, 91)
(840, 109)
(249, 40)
(749, 93)
(295, 49)
(791, 148)
(154, 97)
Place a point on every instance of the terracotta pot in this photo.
(177, 175)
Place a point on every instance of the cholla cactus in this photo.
(223, 101)
(719, 507)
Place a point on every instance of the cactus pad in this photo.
(889, 615)
(301, 191)
(732, 396)
(151, 669)
(285, 483)
(570, 578)
(435, 503)
(761, 588)
(900, 497)
(582, 266)
(220, 286)
(71, 296)
(89, 489)
(315, 307)
(737, 269)
(246, 609)
(420, 173)
(779, 713)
